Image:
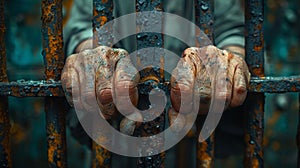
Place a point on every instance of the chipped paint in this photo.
(204, 19)
(56, 132)
(52, 38)
(254, 16)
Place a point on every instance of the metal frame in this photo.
(51, 89)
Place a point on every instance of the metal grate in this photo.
(51, 89)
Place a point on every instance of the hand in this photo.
(195, 77)
(102, 74)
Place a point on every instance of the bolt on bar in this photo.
(5, 150)
(144, 59)
(102, 13)
(54, 61)
(254, 16)
(204, 10)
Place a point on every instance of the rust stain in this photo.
(258, 48)
(101, 156)
(206, 31)
(257, 71)
(294, 89)
(56, 137)
(162, 66)
(52, 38)
(204, 159)
(55, 151)
(103, 20)
(254, 132)
(5, 146)
(5, 158)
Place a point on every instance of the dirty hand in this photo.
(101, 75)
(196, 73)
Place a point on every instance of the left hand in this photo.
(192, 78)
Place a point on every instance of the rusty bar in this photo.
(52, 38)
(254, 15)
(204, 17)
(204, 11)
(274, 84)
(54, 61)
(298, 133)
(22, 88)
(102, 13)
(101, 157)
(5, 151)
(3, 75)
(151, 75)
(56, 132)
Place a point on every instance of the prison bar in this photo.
(5, 150)
(52, 87)
(22, 88)
(54, 61)
(102, 13)
(204, 11)
(145, 40)
(254, 16)
(298, 133)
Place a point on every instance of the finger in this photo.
(128, 126)
(68, 77)
(86, 71)
(182, 83)
(103, 82)
(224, 77)
(177, 120)
(239, 87)
(202, 89)
(126, 78)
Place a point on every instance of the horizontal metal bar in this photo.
(275, 84)
(24, 88)
(44, 88)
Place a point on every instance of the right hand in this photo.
(103, 74)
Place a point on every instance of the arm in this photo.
(78, 29)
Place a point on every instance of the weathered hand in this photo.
(195, 77)
(99, 76)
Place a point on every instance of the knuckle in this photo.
(70, 59)
(189, 51)
(240, 90)
(105, 96)
(122, 52)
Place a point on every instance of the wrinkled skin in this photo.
(90, 74)
(193, 79)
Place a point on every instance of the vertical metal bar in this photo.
(5, 151)
(298, 134)
(56, 132)
(54, 61)
(254, 15)
(204, 11)
(102, 13)
(145, 40)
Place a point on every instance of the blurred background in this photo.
(23, 41)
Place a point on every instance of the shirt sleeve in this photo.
(229, 23)
(79, 26)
